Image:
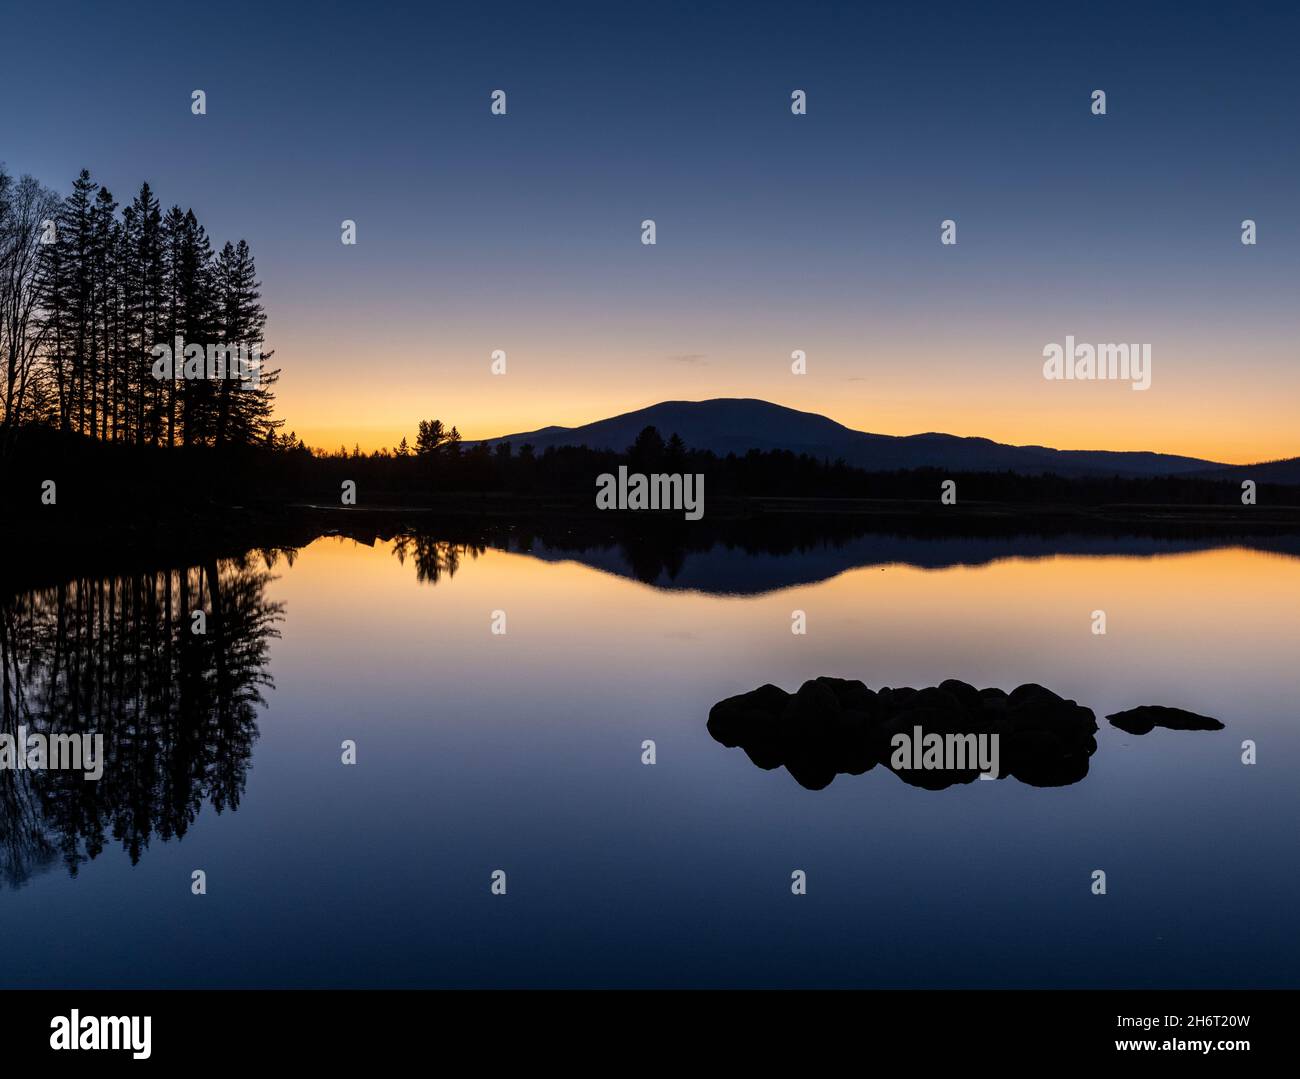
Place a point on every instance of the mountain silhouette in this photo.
(1286, 471)
(734, 425)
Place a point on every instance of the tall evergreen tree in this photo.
(196, 286)
(173, 314)
(244, 409)
(76, 227)
(105, 240)
(144, 256)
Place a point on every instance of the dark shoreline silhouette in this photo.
(743, 549)
(834, 726)
(250, 472)
(117, 503)
(118, 494)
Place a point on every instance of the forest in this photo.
(89, 286)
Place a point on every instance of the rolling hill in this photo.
(735, 425)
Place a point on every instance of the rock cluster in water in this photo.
(834, 725)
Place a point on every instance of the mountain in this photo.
(735, 425)
(1282, 472)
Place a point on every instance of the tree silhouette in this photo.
(429, 438)
(648, 449)
(84, 303)
(25, 208)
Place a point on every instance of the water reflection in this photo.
(759, 556)
(117, 656)
(524, 751)
(433, 558)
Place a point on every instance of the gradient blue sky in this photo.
(775, 232)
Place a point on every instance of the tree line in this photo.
(88, 288)
(440, 461)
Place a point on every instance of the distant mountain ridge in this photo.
(737, 425)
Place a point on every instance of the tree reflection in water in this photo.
(117, 656)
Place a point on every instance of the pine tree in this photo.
(144, 256)
(173, 313)
(196, 285)
(77, 226)
(244, 411)
(105, 241)
(429, 438)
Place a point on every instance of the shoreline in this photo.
(54, 544)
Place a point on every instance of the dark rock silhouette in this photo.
(1145, 718)
(835, 725)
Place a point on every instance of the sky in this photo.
(774, 232)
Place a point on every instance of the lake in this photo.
(522, 751)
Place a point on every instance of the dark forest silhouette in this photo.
(441, 461)
(116, 655)
(438, 462)
(86, 292)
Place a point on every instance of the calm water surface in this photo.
(522, 752)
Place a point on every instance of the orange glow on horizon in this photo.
(901, 378)
(1244, 443)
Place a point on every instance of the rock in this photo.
(836, 725)
(964, 693)
(1146, 717)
